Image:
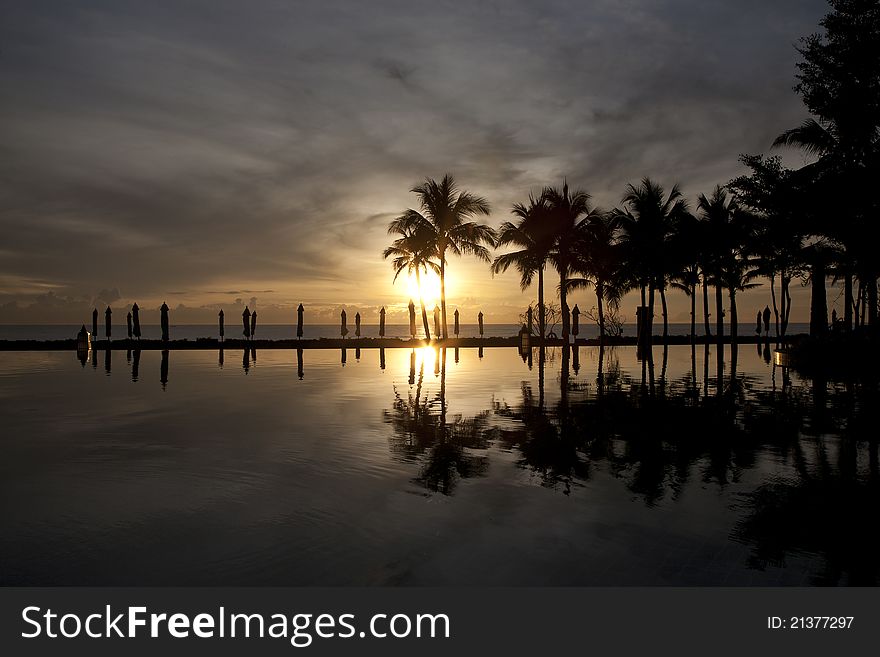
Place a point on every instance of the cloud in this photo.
(205, 146)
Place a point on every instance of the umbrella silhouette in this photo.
(357, 324)
(163, 320)
(136, 321)
(382, 323)
(95, 323)
(253, 323)
(299, 321)
(455, 326)
(436, 321)
(220, 317)
(575, 315)
(412, 318)
(343, 329)
(246, 322)
(107, 322)
(128, 324)
(480, 322)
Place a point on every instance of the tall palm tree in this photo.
(414, 252)
(598, 259)
(447, 215)
(534, 239)
(647, 222)
(569, 212)
(686, 245)
(719, 212)
(737, 275)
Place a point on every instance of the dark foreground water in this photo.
(458, 468)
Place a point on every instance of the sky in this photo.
(215, 154)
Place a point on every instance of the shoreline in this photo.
(363, 343)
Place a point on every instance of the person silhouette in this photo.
(767, 320)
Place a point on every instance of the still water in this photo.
(420, 467)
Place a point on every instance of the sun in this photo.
(430, 289)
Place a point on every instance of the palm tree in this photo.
(414, 251)
(647, 220)
(532, 235)
(446, 214)
(598, 260)
(569, 212)
(686, 245)
(737, 274)
(719, 212)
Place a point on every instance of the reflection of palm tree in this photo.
(414, 252)
(531, 234)
(446, 216)
(422, 433)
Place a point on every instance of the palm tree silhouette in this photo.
(569, 212)
(647, 222)
(719, 212)
(598, 260)
(531, 233)
(414, 251)
(446, 216)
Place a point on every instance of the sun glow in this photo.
(430, 290)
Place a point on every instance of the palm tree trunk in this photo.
(665, 318)
(562, 305)
(734, 326)
(785, 304)
(443, 293)
(706, 308)
(599, 296)
(650, 320)
(818, 300)
(773, 298)
(422, 304)
(541, 313)
(693, 312)
(848, 302)
(719, 312)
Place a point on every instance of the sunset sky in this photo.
(212, 154)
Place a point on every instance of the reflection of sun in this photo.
(430, 289)
(426, 356)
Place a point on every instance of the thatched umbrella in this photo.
(107, 322)
(412, 318)
(575, 316)
(382, 323)
(136, 321)
(436, 320)
(128, 324)
(299, 321)
(357, 324)
(455, 326)
(95, 324)
(163, 320)
(480, 322)
(343, 329)
(253, 323)
(529, 320)
(220, 320)
(246, 322)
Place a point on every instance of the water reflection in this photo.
(423, 433)
(659, 437)
(163, 369)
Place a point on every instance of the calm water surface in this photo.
(275, 467)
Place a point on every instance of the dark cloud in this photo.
(205, 146)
